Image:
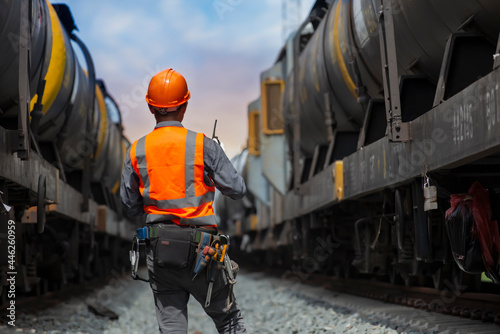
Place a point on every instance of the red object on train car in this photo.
(474, 236)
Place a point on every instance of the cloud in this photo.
(220, 50)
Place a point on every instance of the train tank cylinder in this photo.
(342, 58)
(324, 76)
(421, 29)
(66, 101)
(111, 149)
(64, 107)
(10, 12)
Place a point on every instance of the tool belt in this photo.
(177, 247)
(153, 230)
(173, 246)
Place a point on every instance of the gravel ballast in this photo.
(269, 305)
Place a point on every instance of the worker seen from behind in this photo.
(171, 175)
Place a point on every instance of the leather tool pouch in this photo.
(173, 247)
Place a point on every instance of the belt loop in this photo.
(152, 232)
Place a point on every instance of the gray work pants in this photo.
(171, 290)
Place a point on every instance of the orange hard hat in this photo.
(167, 89)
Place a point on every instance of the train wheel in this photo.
(348, 272)
(438, 278)
(4, 300)
(80, 276)
(463, 281)
(337, 271)
(269, 258)
(393, 275)
(39, 288)
(44, 286)
(408, 280)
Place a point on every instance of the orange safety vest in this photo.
(169, 162)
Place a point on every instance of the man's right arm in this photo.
(129, 190)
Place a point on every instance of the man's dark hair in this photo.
(164, 111)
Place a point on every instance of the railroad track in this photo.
(444, 309)
(483, 309)
(476, 306)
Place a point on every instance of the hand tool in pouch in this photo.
(212, 272)
(204, 254)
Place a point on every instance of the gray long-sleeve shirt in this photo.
(217, 166)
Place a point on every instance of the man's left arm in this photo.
(222, 171)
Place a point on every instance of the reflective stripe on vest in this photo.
(169, 162)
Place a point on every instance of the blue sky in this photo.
(220, 46)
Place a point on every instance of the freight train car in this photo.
(61, 152)
(374, 113)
